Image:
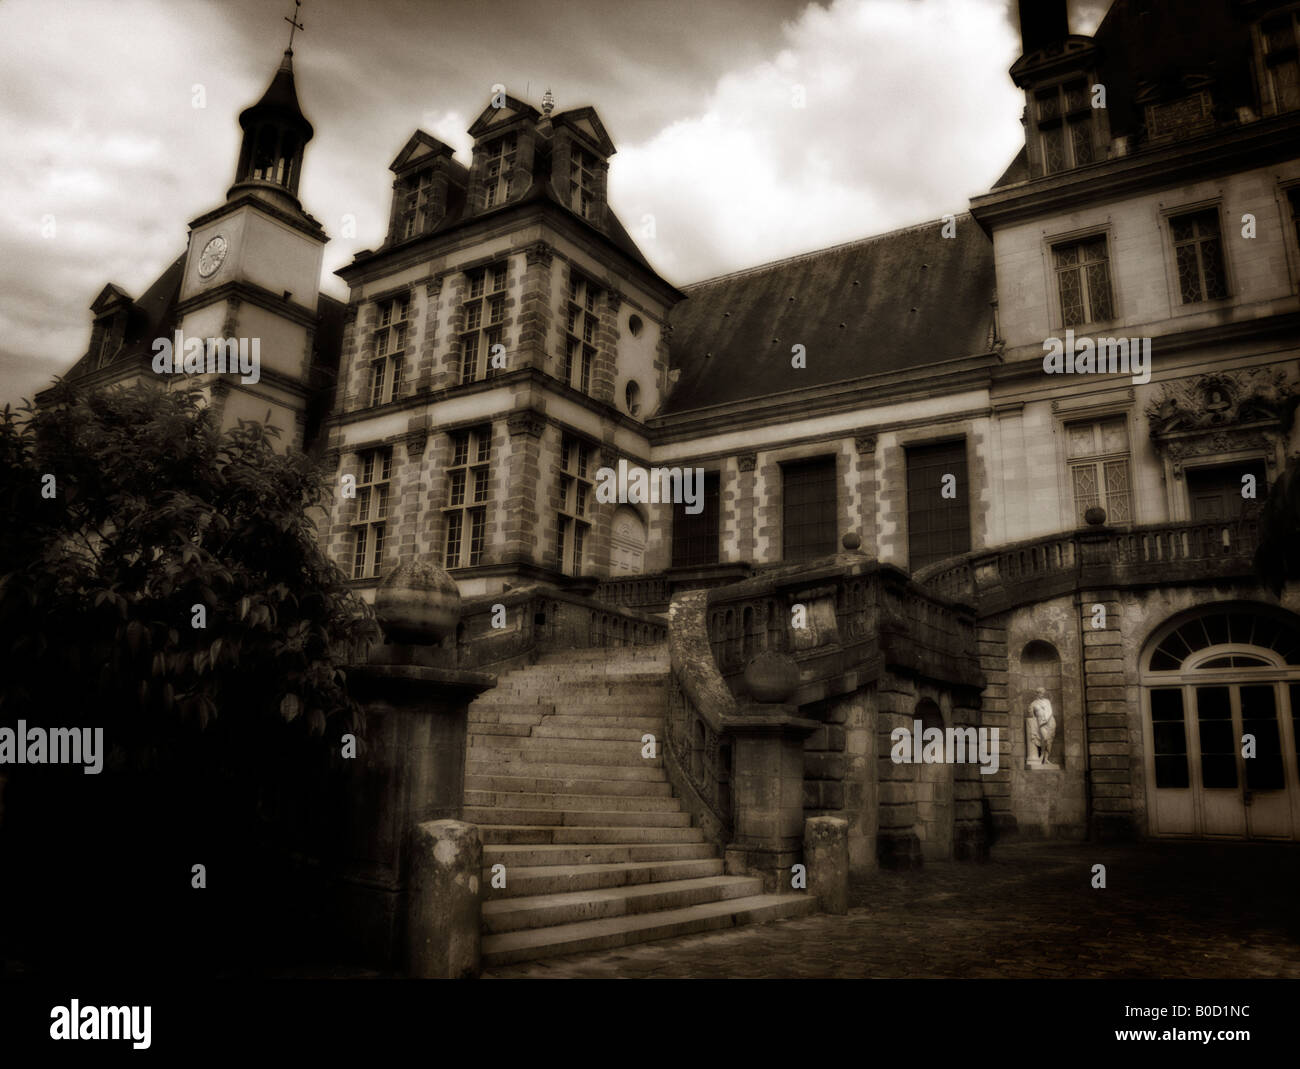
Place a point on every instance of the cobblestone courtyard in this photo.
(1169, 910)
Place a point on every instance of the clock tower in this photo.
(252, 270)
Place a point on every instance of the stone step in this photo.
(578, 803)
(573, 785)
(528, 880)
(549, 705)
(536, 833)
(586, 674)
(513, 730)
(538, 911)
(622, 818)
(615, 655)
(578, 692)
(596, 854)
(497, 751)
(560, 743)
(477, 763)
(573, 728)
(508, 947)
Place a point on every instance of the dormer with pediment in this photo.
(580, 152)
(427, 187)
(505, 148)
(1058, 72)
(111, 311)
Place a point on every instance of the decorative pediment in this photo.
(493, 118)
(110, 297)
(586, 123)
(1222, 399)
(420, 148)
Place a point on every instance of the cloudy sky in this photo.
(908, 112)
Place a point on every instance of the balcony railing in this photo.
(1096, 556)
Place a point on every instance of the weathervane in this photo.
(293, 22)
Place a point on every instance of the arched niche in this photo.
(1040, 714)
(932, 790)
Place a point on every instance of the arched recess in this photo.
(932, 787)
(1040, 669)
(627, 541)
(1220, 694)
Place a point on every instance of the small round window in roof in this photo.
(634, 324)
(632, 395)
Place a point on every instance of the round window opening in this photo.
(634, 325)
(633, 398)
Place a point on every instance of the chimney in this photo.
(1042, 22)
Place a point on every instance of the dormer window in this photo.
(1282, 59)
(499, 170)
(108, 344)
(416, 205)
(389, 351)
(582, 182)
(1063, 114)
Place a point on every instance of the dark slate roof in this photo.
(1165, 47)
(152, 316)
(894, 302)
(280, 101)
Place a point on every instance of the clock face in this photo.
(214, 252)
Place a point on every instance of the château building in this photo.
(874, 421)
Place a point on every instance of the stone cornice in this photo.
(1222, 151)
(301, 223)
(242, 289)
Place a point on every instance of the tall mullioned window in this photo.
(482, 326)
(808, 492)
(1083, 281)
(1282, 58)
(577, 493)
(498, 173)
(1198, 251)
(416, 192)
(468, 490)
(581, 326)
(1064, 117)
(695, 538)
(938, 507)
(1098, 454)
(368, 520)
(582, 182)
(389, 348)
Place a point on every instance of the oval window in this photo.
(634, 325)
(632, 395)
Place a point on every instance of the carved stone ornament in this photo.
(538, 253)
(747, 461)
(865, 443)
(526, 422)
(1221, 399)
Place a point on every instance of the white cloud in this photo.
(909, 112)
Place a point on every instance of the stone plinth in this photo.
(826, 856)
(443, 901)
(411, 771)
(767, 792)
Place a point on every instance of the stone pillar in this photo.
(767, 792)
(443, 901)
(826, 855)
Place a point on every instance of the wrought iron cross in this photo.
(293, 22)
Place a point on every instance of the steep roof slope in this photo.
(884, 304)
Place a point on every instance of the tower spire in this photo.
(294, 24)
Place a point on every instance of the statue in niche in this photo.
(1040, 732)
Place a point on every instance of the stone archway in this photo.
(933, 791)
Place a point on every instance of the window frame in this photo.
(909, 447)
(498, 170)
(1269, 86)
(684, 537)
(1095, 418)
(465, 516)
(583, 164)
(1169, 249)
(829, 459)
(413, 214)
(1056, 308)
(485, 307)
(1065, 119)
(387, 366)
(576, 496)
(585, 313)
(370, 512)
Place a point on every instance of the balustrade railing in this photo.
(1018, 571)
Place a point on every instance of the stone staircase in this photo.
(598, 853)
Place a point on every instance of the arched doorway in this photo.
(627, 543)
(1214, 682)
(933, 792)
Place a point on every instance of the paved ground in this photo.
(1227, 910)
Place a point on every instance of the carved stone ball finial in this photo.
(548, 103)
(1095, 516)
(852, 541)
(418, 604)
(771, 676)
